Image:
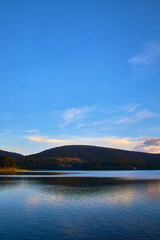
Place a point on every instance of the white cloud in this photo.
(127, 114)
(151, 145)
(44, 139)
(5, 132)
(125, 108)
(80, 125)
(130, 108)
(98, 123)
(32, 131)
(138, 116)
(73, 114)
(115, 116)
(89, 117)
(149, 54)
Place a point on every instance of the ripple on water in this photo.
(79, 208)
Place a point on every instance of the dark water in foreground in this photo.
(80, 205)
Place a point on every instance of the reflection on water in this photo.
(80, 207)
(145, 174)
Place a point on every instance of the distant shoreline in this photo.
(8, 169)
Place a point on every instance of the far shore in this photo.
(10, 169)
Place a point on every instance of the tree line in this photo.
(98, 163)
(7, 161)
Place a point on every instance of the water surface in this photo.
(80, 205)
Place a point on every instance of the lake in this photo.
(80, 205)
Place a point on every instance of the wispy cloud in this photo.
(74, 114)
(151, 145)
(32, 131)
(138, 116)
(129, 114)
(86, 118)
(128, 108)
(149, 53)
(5, 132)
(80, 118)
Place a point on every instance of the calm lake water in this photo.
(80, 205)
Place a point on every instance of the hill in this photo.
(90, 153)
(11, 154)
(92, 157)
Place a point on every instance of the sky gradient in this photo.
(79, 72)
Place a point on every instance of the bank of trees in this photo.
(7, 161)
(98, 163)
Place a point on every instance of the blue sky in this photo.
(79, 72)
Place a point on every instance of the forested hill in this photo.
(10, 154)
(84, 158)
(92, 157)
(92, 153)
